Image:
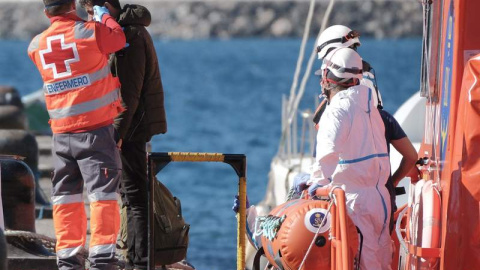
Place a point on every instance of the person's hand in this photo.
(111, 9)
(119, 144)
(98, 13)
(300, 182)
(414, 175)
(313, 189)
(236, 204)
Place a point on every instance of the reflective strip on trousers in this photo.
(102, 196)
(68, 252)
(67, 199)
(84, 107)
(101, 249)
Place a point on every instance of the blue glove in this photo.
(300, 182)
(313, 188)
(236, 204)
(98, 13)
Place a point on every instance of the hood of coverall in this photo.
(358, 94)
(134, 14)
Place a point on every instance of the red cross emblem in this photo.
(58, 56)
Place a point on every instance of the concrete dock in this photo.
(19, 260)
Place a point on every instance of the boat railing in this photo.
(298, 140)
(341, 258)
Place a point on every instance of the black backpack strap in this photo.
(359, 257)
(278, 260)
(256, 260)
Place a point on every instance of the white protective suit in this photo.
(369, 81)
(351, 151)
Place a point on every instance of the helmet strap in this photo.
(346, 82)
(350, 35)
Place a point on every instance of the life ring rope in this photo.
(315, 236)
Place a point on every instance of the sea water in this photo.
(225, 96)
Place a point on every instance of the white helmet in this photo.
(343, 63)
(336, 36)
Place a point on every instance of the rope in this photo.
(291, 194)
(426, 56)
(315, 236)
(298, 68)
(269, 226)
(301, 53)
(307, 73)
(294, 99)
(398, 230)
(47, 242)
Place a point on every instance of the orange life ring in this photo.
(430, 222)
(424, 229)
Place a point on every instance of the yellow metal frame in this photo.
(157, 161)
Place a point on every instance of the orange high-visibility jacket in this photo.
(80, 92)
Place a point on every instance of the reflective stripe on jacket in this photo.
(80, 91)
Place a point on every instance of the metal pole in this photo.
(157, 161)
(242, 223)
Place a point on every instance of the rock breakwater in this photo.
(230, 19)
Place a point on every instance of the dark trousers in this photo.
(391, 190)
(134, 197)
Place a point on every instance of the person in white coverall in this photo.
(340, 36)
(352, 152)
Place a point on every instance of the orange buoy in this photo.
(299, 221)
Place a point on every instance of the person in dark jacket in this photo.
(137, 67)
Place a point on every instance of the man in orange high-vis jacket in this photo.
(142, 93)
(82, 99)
